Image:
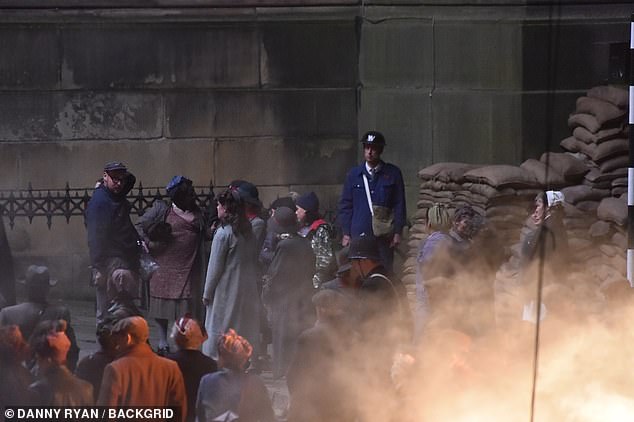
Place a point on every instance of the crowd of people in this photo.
(240, 289)
(241, 286)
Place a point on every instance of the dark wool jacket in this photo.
(111, 233)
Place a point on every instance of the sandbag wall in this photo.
(592, 173)
(596, 212)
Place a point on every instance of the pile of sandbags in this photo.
(503, 194)
(600, 134)
(610, 231)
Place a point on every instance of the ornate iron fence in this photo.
(67, 202)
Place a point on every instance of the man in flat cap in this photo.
(112, 239)
(139, 377)
(29, 314)
(373, 200)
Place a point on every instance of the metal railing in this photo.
(71, 202)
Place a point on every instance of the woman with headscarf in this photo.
(230, 293)
(189, 335)
(174, 233)
(230, 393)
(546, 241)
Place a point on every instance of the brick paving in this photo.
(83, 321)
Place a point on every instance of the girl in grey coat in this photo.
(230, 294)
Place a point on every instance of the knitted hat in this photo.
(309, 202)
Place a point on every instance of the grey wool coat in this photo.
(230, 287)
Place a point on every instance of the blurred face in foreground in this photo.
(539, 214)
(301, 214)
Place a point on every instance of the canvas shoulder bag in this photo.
(382, 217)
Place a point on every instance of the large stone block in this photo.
(568, 55)
(319, 54)
(397, 53)
(284, 162)
(30, 57)
(478, 55)
(87, 115)
(62, 248)
(150, 56)
(51, 165)
(545, 121)
(477, 127)
(262, 113)
(404, 117)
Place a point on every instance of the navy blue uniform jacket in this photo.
(111, 233)
(387, 189)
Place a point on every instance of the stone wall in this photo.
(277, 92)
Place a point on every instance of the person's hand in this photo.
(396, 240)
(205, 301)
(345, 240)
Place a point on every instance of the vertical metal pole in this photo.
(630, 172)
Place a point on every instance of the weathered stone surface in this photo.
(262, 113)
(477, 127)
(51, 165)
(168, 3)
(478, 55)
(397, 53)
(284, 162)
(60, 115)
(544, 121)
(63, 248)
(151, 56)
(320, 54)
(580, 53)
(30, 58)
(404, 117)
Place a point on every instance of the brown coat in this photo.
(141, 378)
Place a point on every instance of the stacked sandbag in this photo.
(600, 134)
(501, 193)
(610, 264)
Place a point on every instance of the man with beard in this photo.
(113, 242)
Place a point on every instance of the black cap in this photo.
(364, 247)
(249, 193)
(283, 221)
(373, 138)
(114, 166)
